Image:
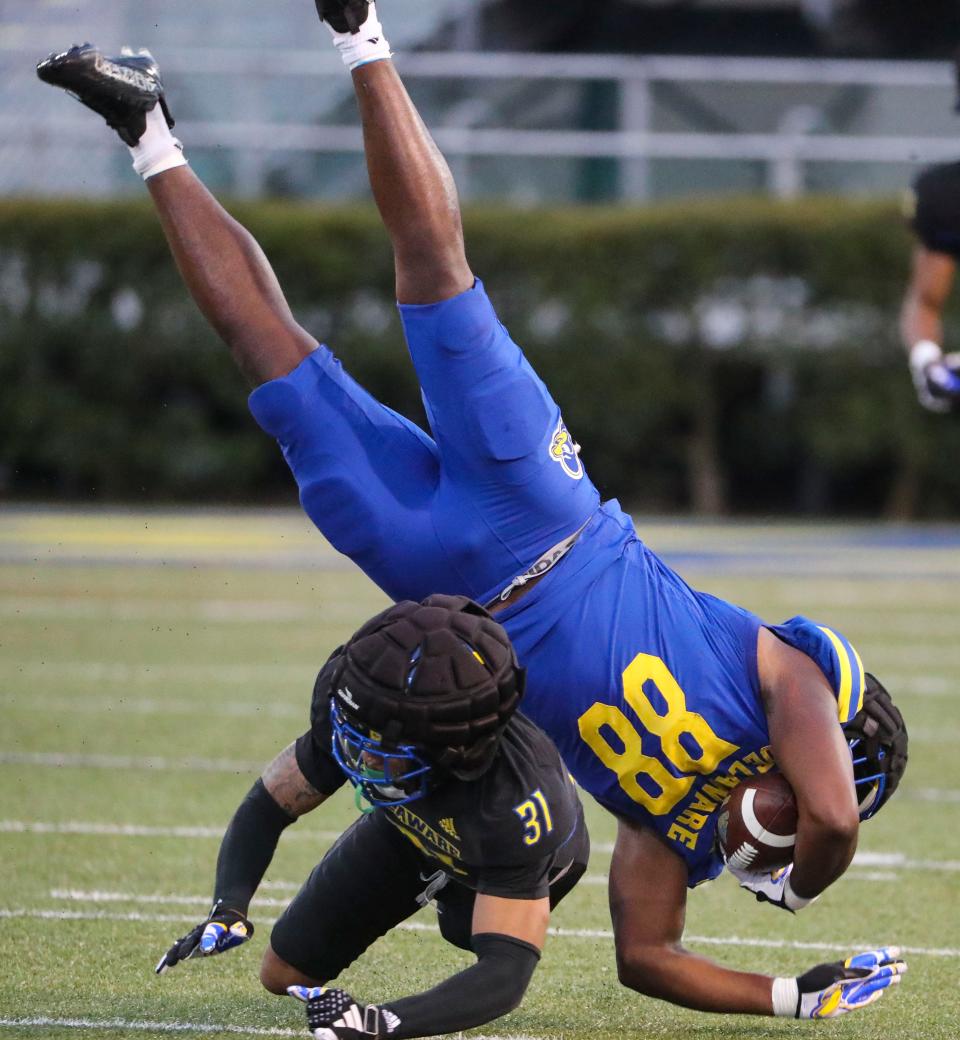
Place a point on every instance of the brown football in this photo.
(757, 826)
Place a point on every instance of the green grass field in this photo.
(151, 663)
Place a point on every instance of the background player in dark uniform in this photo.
(660, 698)
(934, 213)
(467, 804)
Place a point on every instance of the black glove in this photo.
(332, 1014)
(343, 15)
(221, 931)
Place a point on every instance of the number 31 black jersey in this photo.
(508, 833)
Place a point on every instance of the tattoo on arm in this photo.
(287, 785)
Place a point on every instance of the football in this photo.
(757, 826)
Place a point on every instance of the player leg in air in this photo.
(659, 697)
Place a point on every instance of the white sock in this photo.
(157, 150)
(360, 48)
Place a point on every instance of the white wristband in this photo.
(791, 900)
(786, 996)
(924, 352)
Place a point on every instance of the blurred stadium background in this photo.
(733, 171)
(636, 100)
(689, 213)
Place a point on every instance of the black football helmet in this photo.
(877, 736)
(422, 691)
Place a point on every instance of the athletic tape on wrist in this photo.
(791, 900)
(924, 352)
(786, 997)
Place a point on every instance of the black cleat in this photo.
(344, 15)
(122, 90)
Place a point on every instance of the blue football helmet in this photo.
(383, 775)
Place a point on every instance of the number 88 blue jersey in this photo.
(650, 688)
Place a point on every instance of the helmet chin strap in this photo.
(362, 802)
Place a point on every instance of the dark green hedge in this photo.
(736, 356)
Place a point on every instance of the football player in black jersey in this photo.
(463, 802)
(935, 220)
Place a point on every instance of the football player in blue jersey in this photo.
(661, 698)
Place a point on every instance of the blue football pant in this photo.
(463, 512)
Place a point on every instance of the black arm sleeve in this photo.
(248, 847)
(484, 991)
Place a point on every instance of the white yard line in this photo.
(62, 760)
(933, 794)
(259, 708)
(12, 913)
(65, 759)
(136, 830)
(73, 895)
(894, 860)
(890, 861)
(934, 734)
(75, 608)
(563, 933)
(162, 672)
(730, 940)
(899, 860)
(256, 707)
(139, 1025)
(917, 626)
(927, 685)
(325, 610)
(136, 1025)
(923, 685)
(200, 708)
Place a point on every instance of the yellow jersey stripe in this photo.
(846, 674)
(861, 688)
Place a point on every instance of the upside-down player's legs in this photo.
(229, 278)
(505, 485)
(367, 476)
(507, 461)
(413, 188)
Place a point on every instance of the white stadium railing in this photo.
(904, 114)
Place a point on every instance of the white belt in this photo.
(546, 561)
